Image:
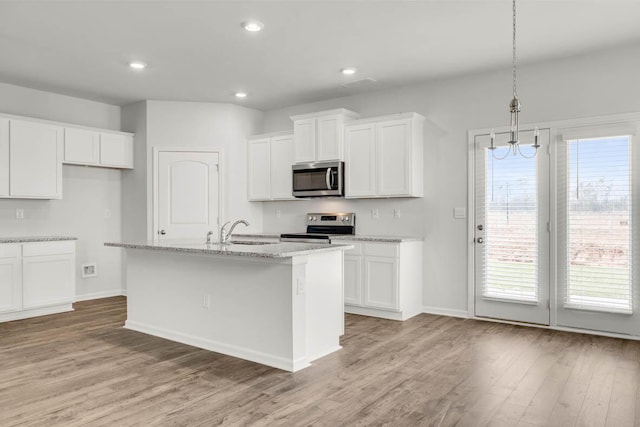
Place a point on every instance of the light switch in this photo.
(459, 213)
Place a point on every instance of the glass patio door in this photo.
(511, 230)
(597, 241)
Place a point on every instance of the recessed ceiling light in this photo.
(241, 94)
(349, 71)
(252, 26)
(137, 65)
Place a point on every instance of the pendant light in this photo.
(514, 109)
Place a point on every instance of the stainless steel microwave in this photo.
(320, 179)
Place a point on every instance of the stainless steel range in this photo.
(321, 226)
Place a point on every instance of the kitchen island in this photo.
(279, 304)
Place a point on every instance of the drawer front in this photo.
(391, 250)
(10, 250)
(48, 248)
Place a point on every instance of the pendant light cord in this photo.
(515, 89)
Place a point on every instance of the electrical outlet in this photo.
(300, 286)
(278, 213)
(375, 213)
(206, 301)
(107, 213)
(396, 213)
(19, 213)
(89, 270)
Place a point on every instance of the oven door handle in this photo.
(327, 179)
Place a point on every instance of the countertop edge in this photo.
(32, 239)
(223, 252)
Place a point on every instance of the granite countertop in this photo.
(382, 239)
(337, 237)
(28, 239)
(269, 250)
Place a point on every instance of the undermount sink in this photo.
(249, 242)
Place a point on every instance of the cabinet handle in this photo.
(163, 232)
(480, 240)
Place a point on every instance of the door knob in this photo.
(163, 232)
(479, 240)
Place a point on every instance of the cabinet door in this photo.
(81, 146)
(10, 278)
(258, 169)
(282, 158)
(394, 158)
(353, 280)
(4, 157)
(304, 134)
(329, 138)
(35, 158)
(48, 280)
(360, 157)
(381, 282)
(116, 150)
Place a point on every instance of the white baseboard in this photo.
(102, 294)
(218, 347)
(445, 312)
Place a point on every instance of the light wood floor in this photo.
(83, 369)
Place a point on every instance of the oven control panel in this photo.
(342, 218)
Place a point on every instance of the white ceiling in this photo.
(197, 51)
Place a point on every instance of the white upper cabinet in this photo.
(81, 146)
(270, 158)
(259, 168)
(116, 150)
(282, 158)
(4, 157)
(319, 136)
(35, 160)
(384, 157)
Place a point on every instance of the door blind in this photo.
(510, 264)
(595, 212)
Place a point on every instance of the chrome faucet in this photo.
(225, 235)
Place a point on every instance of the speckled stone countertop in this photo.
(381, 239)
(269, 250)
(28, 239)
(338, 237)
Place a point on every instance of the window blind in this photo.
(595, 209)
(510, 264)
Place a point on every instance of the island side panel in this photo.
(324, 303)
(250, 303)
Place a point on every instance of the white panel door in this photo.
(329, 143)
(511, 230)
(4, 157)
(304, 134)
(282, 158)
(259, 169)
(187, 194)
(353, 280)
(10, 278)
(394, 158)
(381, 282)
(36, 160)
(81, 146)
(48, 280)
(360, 160)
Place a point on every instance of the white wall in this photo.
(171, 124)
(87, 192)
(597, 84)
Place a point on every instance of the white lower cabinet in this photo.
(383, 279)
(37, 278)
(10, 278)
